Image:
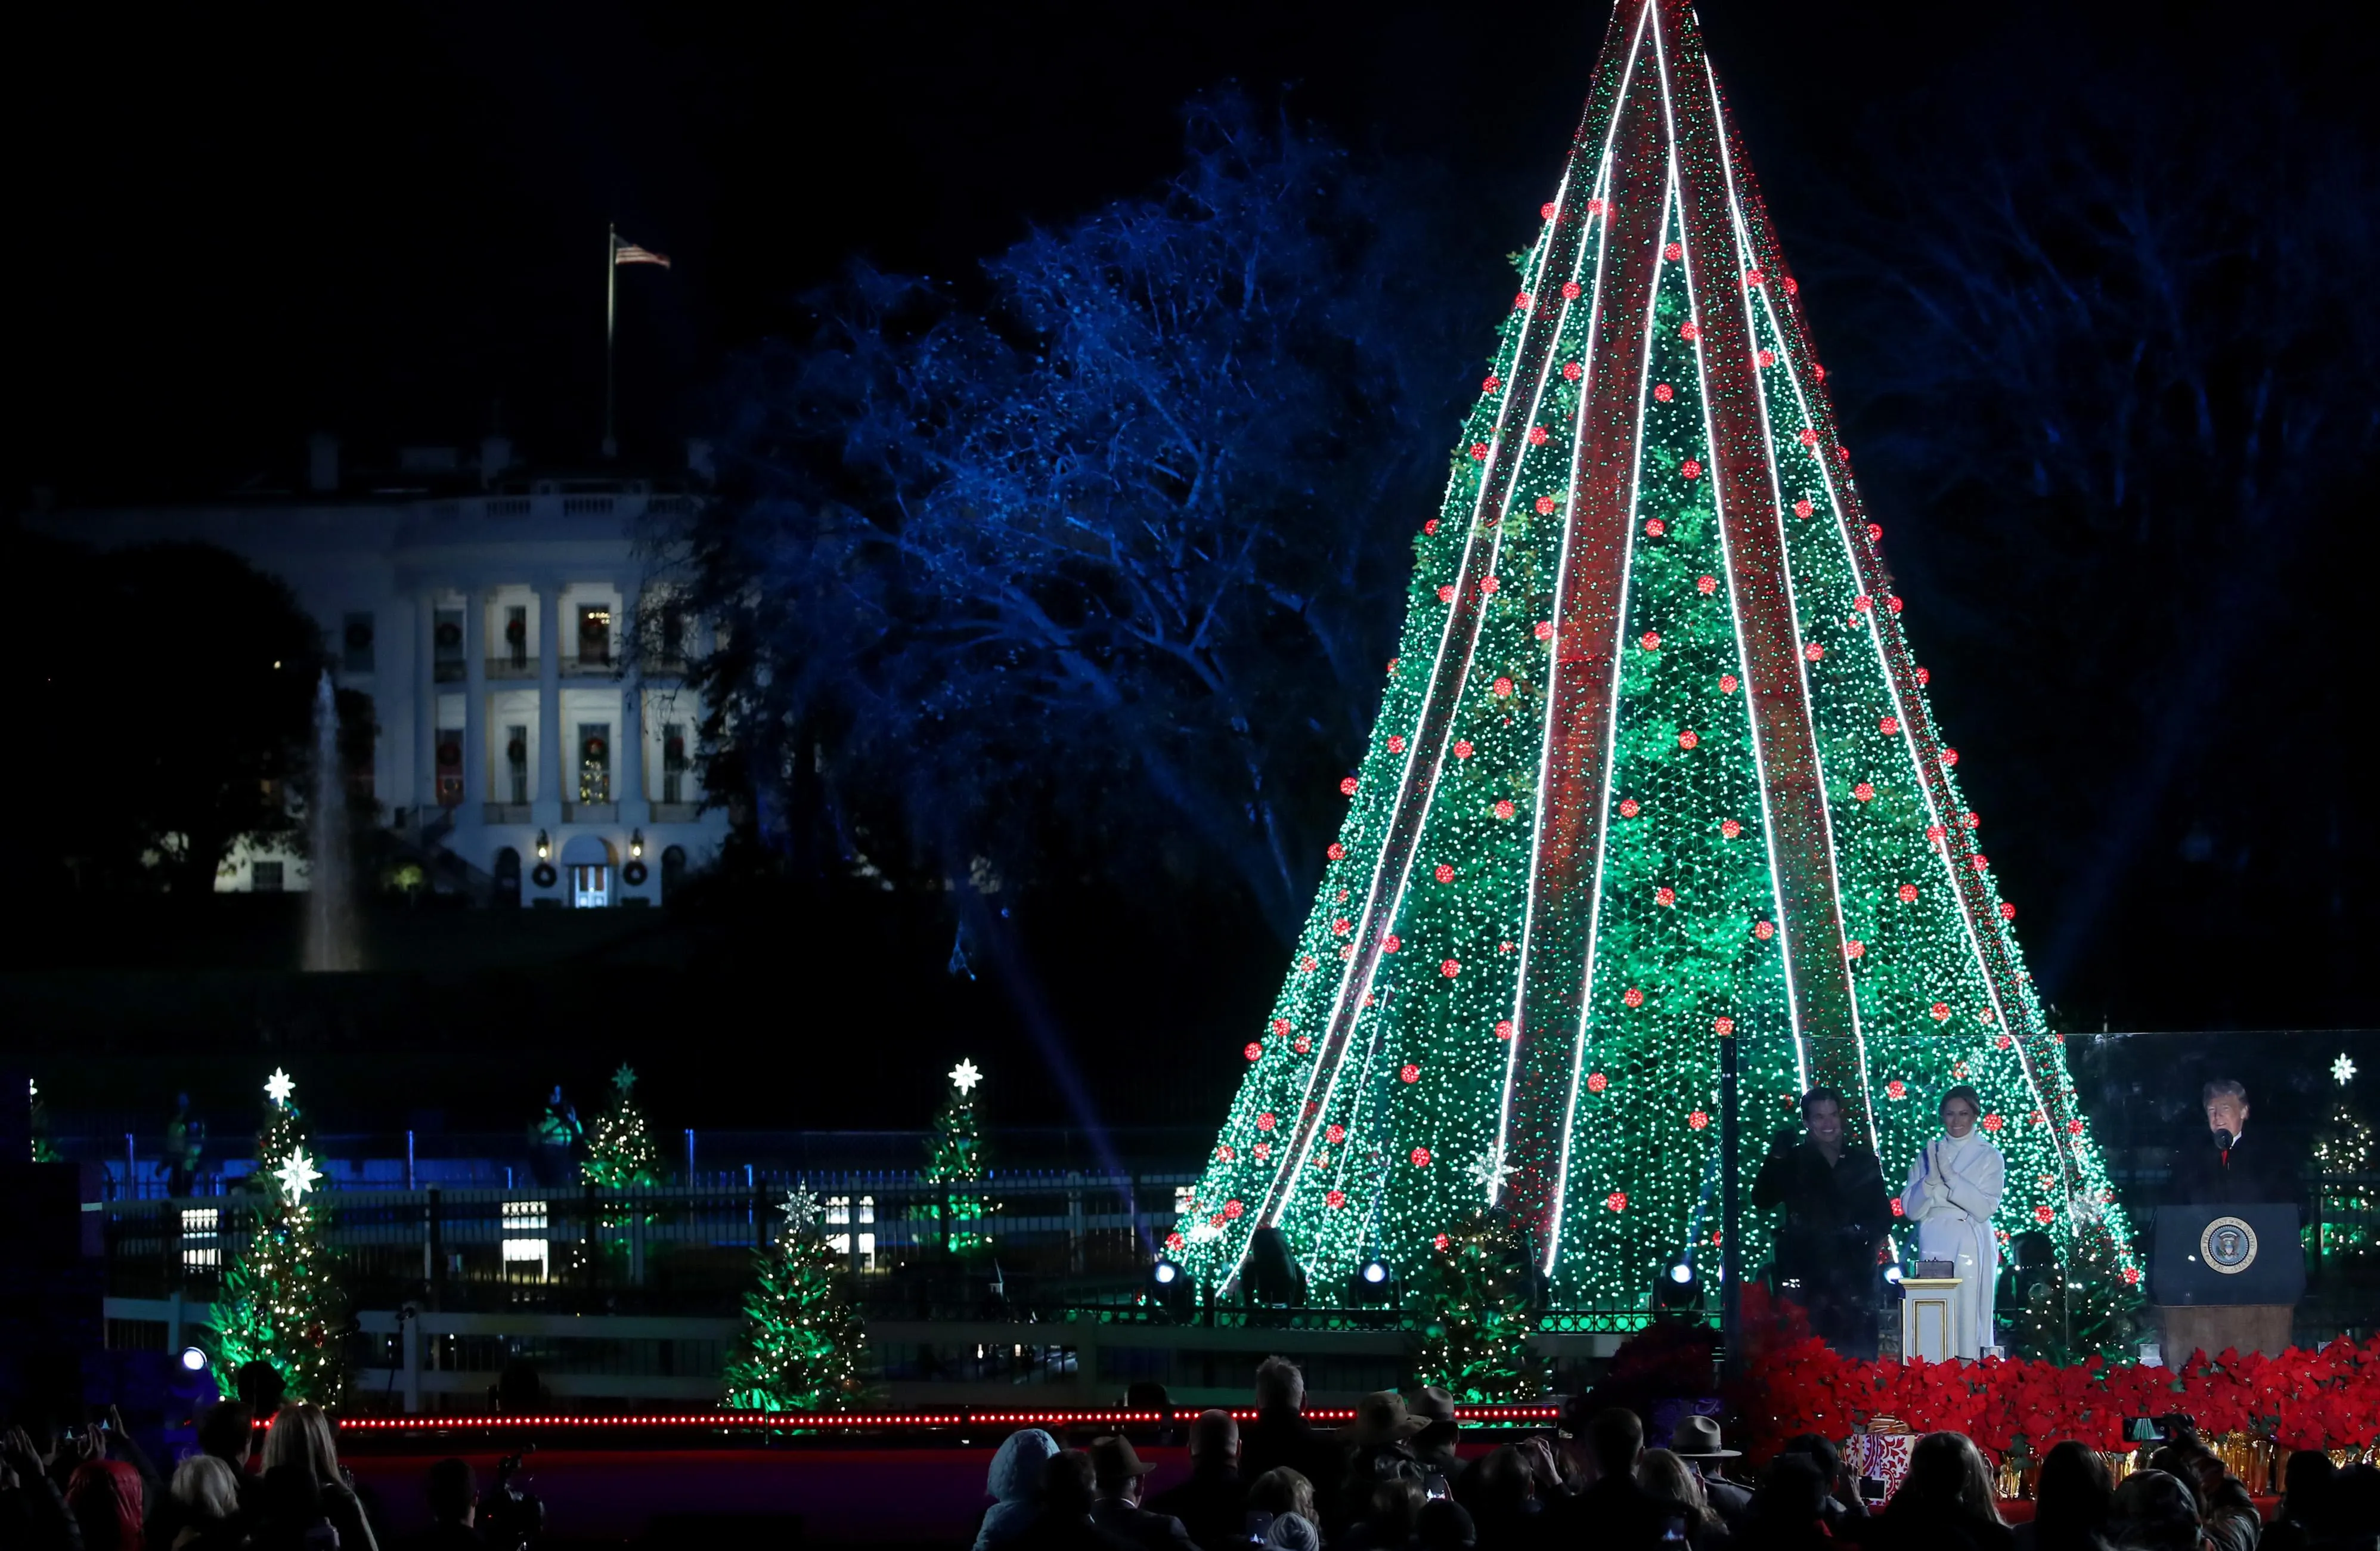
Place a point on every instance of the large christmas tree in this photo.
(1654, 762)
(281, 1300)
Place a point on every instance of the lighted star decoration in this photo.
(278, 1087)
(2342, 1070)
(801, 1210)
(624, 1079)
(1490, 1169)
(964, 1076)
(297, 1175)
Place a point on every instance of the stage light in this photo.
(1375, 1273)
(1171, 1288)
(194, 1360)
(1373, 1283)
(1681, 1273)
(1892, 1274)
(1165, 1273)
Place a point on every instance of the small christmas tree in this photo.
(281, 1300)
(2088, 1302)
(621, 1150)
(2345, 1147)
(803, 1344)
(954, 1156)
(1477, 1296)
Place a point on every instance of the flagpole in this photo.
(611, 315)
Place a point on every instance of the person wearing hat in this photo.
(1696, 1440)
(1434, 1445)
(1116, 1478)
(1382, 1439)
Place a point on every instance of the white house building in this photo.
(489, 613)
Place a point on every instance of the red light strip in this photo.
(746, 1421)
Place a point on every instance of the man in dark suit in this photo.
(1116, 1473)
(1837, 1212)
(2232, 1171)
(1281, 1436)
(1614, 1514)
(1213, 1504)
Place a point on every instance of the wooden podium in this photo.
(1926, 1319)
(2227, 1278)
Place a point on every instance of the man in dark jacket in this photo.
(1615, 1514)
(1116, 1474)
(1212, 1505)
(1837, 1211)
(2223, 1168)
(1281, 1436)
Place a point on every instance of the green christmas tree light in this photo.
(280, 1301)
(954, 1156)
(620, 1152)
(1475, 1297)
(803, 1347)
(1654, 764)
(2345, 1151)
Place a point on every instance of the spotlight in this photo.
(1170, 1288)
(1679, 1290)
(1165, 1273)
(1681, 1273)
(1892, 1274)
(1372, 1283)
(194, 1360)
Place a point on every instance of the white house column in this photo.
(475, 786)
(629, 763)
(424, 796)
(547, 808)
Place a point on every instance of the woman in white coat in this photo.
(1954, 1187)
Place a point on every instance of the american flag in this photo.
(628, 252)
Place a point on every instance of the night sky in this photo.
(234, 230)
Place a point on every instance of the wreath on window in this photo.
(516, 751)
(596, 748)
(517, 631)
(632, 874)
(673, 748)
(544, 876)
(450, 635)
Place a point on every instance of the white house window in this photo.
(594, 762)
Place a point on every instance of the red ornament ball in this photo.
(1234, 1209)
(1687, 740)
(1446, 593)
(1347, 786)
(2131, 1275)
(1663, 392)
(1617, 1200)
(1544, 629)
(1978, 861)
(1896, 1089)
(1223, 1154)
(1503, 1028)
(1421, 1157)
(1441, 1242)
(1334, 1199)
(1854, 948)
(1174, 1243)
(1449, 968)
(1950, 758)
(1814, 651)
(2074, 1127)
(1479, 452)
(1430, 527)
(1842, 455)
(1924, 677)
(1728, 829)
(1863, 602)
(1993, 1122)
(1308, 964)
(1409, 1073)
(1462, 747)
(1570, 290)
(1628, 809)
(1396, 744)
(1908, 893)
(1665, 895)
(1335, 851)
(1723, 1026)
(1491, 382)
(1864, 791)
(1875, 532)
(1631, 997)
(1727, 683)
(1596, 1082)
(1488, 584)
(1254, 1051)
(2042, 1215)
(1941, 1011)
(1698, 1119)
(2002, 1042)
(1802, 508)
(1546, 210)
(2008, 912)
(1572, 372)
(1972, 820)
(1790, 288)
(1502, 689)
(1504, 809)
(1655, 526)
(1898, 1209)
(1673, 252)
(1537, 435)
(1888, 725)
(1892, 604)
(1763, 930)
(1691, 469)
(1266, 1121)
(1342, 926)
(1705, 585)
(1263, 1149)
(1935, 832)
(1303, 1045)
(1689, 332)
(1334, 1134)
(1443, 872)
(1545, 505)
(1390, 943)
(1650, 641)
(1521, 302)
(1767, 357)
(1809, 436)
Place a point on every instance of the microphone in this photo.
(2226, 1140)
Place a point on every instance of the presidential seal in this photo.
(2228, 1246)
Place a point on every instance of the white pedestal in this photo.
(1927, 1320)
